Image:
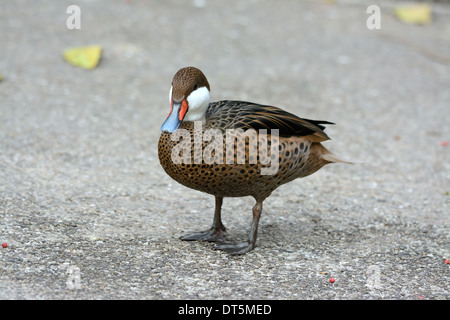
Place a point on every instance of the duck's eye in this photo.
(195, 87)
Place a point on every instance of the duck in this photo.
(234, 148)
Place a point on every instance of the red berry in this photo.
(4, 245)
(446, 261)
(332, 280)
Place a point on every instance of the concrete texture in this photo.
(88, 213)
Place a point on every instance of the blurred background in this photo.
(78, 147)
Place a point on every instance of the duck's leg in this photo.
(216, 233)
(245, 247)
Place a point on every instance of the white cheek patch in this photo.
(198, 102)
(170, 94)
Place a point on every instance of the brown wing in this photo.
(245, 115)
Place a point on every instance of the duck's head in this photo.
(188, 97)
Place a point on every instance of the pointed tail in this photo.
(329, 157)
(332, 158)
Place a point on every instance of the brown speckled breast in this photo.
(297, 157)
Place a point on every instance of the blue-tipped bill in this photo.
(175, 117)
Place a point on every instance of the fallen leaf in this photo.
(84, 57)
(414, 14)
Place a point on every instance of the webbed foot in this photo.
(212, 235)
(236, 249)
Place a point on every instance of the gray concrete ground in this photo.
(88, 213)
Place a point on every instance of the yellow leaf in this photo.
(84, 57)
(415, 14)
